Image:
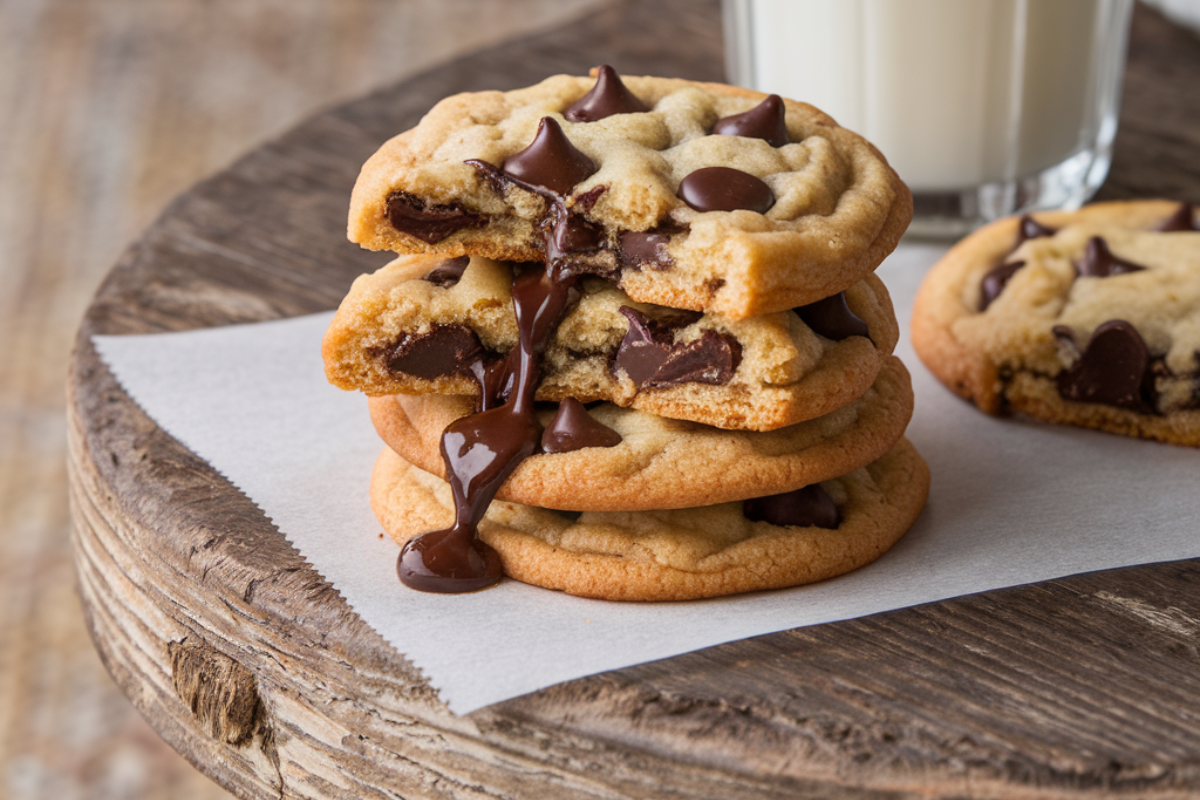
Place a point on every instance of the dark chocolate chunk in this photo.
(1030, 228)
(607, 97)
(1099, 262)
(651, 358)
(431, 224)
(550, 161)
(449, 272)
(1183, 219)
(574, 429)
(642, 248)
(765, 121)
(832, 318)
(725, 189)
(804, 507)
(994, 282)
(444, 350)
(1112, 370)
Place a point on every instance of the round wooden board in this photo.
(255, 669)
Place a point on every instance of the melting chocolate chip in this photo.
(1099, 262)
(447, 562)
(804, 507)
(431, 224)
(725, 189)
(994, 282)
(449, 272)
(444, 350)
(832, 318)
(550, 161)
(1182, 220)
(651, 358)
(1030, 228)
(574, 429)
(765, 121)
(642, 248)
(1112, 370)
(607, 97)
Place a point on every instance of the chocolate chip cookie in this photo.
(1090, 318)
(809, 535)
(425, 324)
(690, 195)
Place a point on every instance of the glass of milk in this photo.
(984, 107)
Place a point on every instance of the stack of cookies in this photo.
(633, 346)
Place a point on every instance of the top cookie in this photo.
(1089, 318)
(713, 198)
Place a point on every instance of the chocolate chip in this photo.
(444, 350)
(431, 224)
(994, 282)
(1182, 220)
(607, 97)
(1029, 228)
(1099, 262)
(550, 161)
(809, 506)
(725, 189)
(574, 429)
(1112, 370)
(832, 318)
(765, 121)
(651, 358)
(449, 272)
(642, 248)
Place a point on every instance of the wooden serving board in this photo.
(254, 668)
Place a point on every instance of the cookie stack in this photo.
(633, 346)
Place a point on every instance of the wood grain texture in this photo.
(108, 109)
(1072, 688)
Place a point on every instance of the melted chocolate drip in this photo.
(431, 224)
(607, 97)
(550, 160)
(444, 350)
(642, 248)
(725, 189)
(765, 121)
(832, 318)
(804, 507)
(994, 282)
(1030, 228)
(1099, 262)
(1113, 369)
(574, 429)
(652, 359)
(449, 272)
(1182, 220)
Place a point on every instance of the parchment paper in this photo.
(1012, 502)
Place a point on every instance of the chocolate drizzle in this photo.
(765, 121)
(431, 224)
(725, 189)
(1099, 262)
(1113, 369)
(651, 358)
(832, 318)
(607, 97)
(1182, 220)
(574, 429)
(805, 507)
(994, 282)
(449, 272)
(550, 161)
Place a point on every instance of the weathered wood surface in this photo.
(253, 667)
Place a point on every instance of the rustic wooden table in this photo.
(253, 667)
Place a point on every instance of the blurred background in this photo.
(108, 109)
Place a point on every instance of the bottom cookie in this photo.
(682, 554)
